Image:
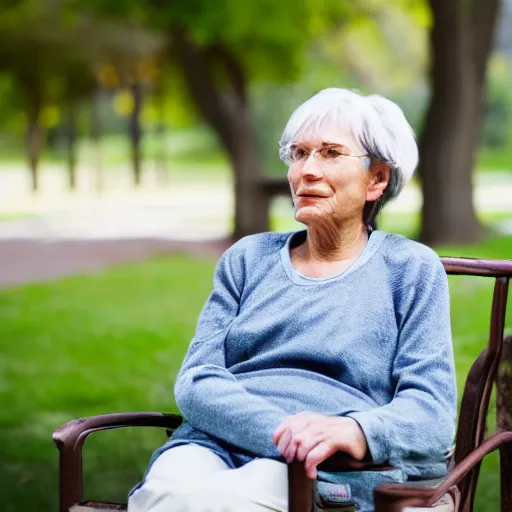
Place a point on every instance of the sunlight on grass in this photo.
(4, 217)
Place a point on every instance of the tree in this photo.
(23, 56)
(460, 41)
(129, 55)
(227, 111)
(222, 47)
(78, 84)
(126, 52)
(140, 79)
(225, 52)
(47, 48)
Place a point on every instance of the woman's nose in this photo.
(311, 168)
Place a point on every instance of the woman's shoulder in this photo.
(253, 252)
(259, 244)
(407, 254)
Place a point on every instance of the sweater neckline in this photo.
(374, 241)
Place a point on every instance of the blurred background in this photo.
(138, 139)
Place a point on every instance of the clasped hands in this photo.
(312, 438)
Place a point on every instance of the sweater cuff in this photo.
(375, 433)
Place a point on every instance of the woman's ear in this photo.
(379, 179)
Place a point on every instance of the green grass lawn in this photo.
(113, 341)
(14, 216)
(494, 160)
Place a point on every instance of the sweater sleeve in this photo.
(206, 392)
(418, 426)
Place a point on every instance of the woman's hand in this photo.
(312, 438)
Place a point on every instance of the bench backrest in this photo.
(479, 382)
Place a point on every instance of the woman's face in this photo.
(328, 185)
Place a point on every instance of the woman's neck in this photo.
(328, 244)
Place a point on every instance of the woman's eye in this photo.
(299, 153)
(332, 153)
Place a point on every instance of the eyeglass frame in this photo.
(327, 146)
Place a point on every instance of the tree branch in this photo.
(210, 102)
(445, 11)
(233, 69)
(483, 22)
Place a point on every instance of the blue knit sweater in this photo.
(372, 343)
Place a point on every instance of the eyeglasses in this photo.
(327, 153)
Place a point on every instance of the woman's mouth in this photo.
(311, 196)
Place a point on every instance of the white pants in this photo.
(191, 478)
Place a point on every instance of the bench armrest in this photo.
(300, 486)
(71, 436)
(394, 497)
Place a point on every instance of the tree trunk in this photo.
(34, 143)
(460, 41)
(135, 132)
(251, 205)
(95, 133)
(227, 113)
(71, 146)
(161, 132)
(31, 86)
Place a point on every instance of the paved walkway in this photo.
(60, 233)
(27, 261)
(67, 233)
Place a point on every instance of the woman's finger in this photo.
(279, 431)
(291, 450)
(284, 441)
(305, 447)
(317, 455)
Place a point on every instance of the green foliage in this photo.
(324, 43)
(269, 37)
(168, 102)
(57, 55)
(365, 52)
(288, 51)
(11, 113)
(53, 55)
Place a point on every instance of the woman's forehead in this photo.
(327, 133)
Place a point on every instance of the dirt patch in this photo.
(28, 261)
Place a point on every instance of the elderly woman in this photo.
(333, 338)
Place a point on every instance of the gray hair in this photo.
(377, 124)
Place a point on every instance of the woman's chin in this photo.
(307, 214)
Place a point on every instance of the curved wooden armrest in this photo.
(300, 486)
(393, 497)
(478, 266)
(71, 436)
